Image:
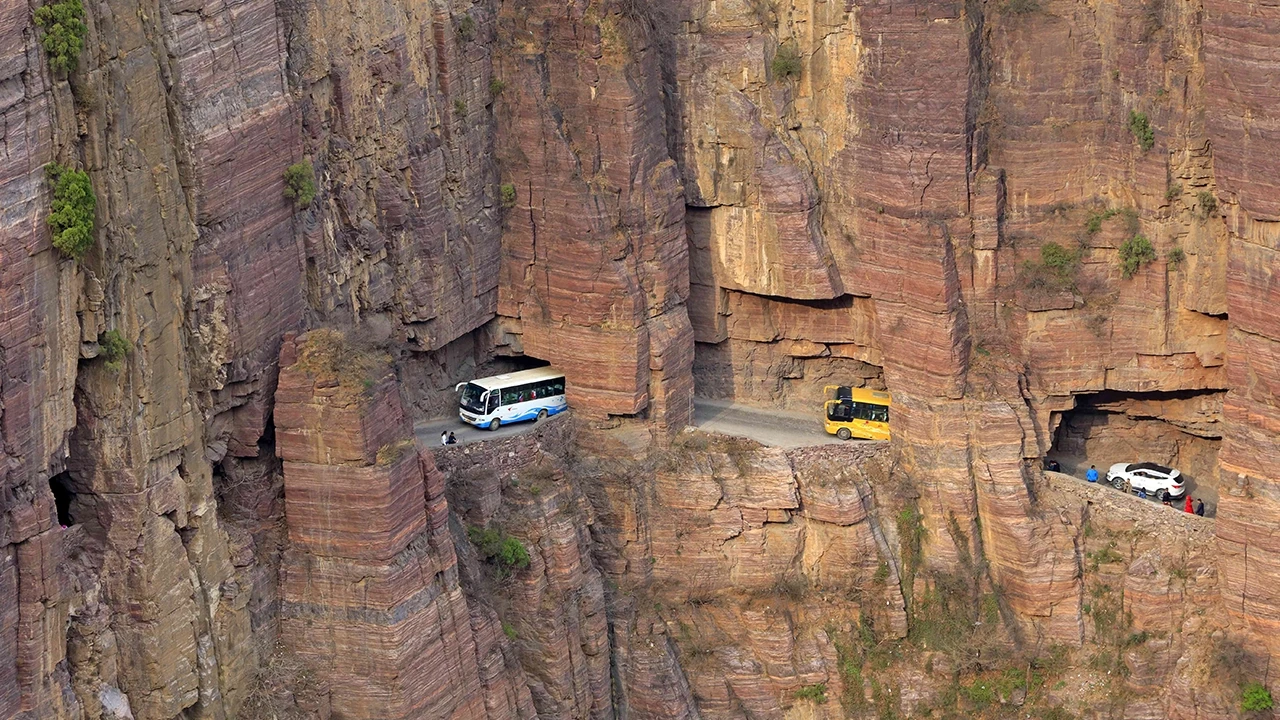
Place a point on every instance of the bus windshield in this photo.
(471, 398)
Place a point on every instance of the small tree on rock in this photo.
(1134, 253)
(62, 33)
(300, 183)
(71, 212)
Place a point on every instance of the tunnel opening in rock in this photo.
(63, 496)
(1179, 429)
(783, 374)
(781, 352)
(250, 489)
(510, 363)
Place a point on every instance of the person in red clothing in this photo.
(1188, 508)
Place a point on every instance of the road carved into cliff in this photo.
(768, 426)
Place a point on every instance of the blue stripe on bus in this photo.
(528, 415)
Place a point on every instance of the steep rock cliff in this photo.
(818, 192)
(370, 594)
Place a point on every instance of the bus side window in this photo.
(558, 387)
(493, 401)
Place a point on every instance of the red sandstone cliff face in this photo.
(877, 216)
(369, 585)
(595, 263)
(185, 118)
(1239, 56)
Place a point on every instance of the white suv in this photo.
(1162, 482)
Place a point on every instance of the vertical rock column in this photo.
(594, 255)
(1240, 67)
(370, 591)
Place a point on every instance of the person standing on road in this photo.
(444, 437)
(1199, 507)
(1092, 474)
(1187, 507)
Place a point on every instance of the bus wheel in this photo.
(843, 434)
(494, 423)
(542, 415)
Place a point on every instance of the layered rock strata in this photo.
(869, 193)
(752, 558)
(555, 609)
(369, 585)
(595, 264)
(1240, 57)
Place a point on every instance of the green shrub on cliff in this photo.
(1134, 253)
(816, 692)
(300, 183)
(1130, 216)
(63, 31)
(1055, 271)
(1141, 128)
(114, 347)
(1208, 203)
(1059, 260)
(508, 193)
(467, 28)
(71, 212)
(499, 549)
(1255, 697)
(786, 63)
(1175, 257)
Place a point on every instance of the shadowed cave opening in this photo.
(510, 363)
(785, 374)
(1181, 429)
(63, 495)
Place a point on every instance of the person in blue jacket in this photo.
(1092, 474)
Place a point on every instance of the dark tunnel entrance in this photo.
(63, 495)
(1181, 429)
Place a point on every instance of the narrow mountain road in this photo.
(767, 426)
(771, 427)
(428, 431)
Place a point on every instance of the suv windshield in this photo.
(470, 398)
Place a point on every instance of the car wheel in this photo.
(844, 434)
(1117, 483)
(542, 415)
(494, 423)
(1163, 496)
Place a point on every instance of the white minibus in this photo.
(511, 397)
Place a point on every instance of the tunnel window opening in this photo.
(60, 484)
(789, 375)
(510, 363)
(1179, 429)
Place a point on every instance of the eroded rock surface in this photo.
(370, 594)
(754, 198)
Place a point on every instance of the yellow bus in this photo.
(857, 413)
